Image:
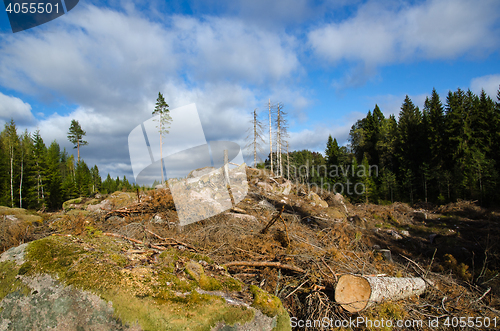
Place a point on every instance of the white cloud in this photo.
(490, 84)
(384, 32)
(221, 48)
(98, 57)
(15, 108)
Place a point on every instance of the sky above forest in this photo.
(327, 62)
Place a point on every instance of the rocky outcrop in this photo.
(316, 200)
(102, 283)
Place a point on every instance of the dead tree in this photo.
(255, 136)
(281, 135)
(270, 137)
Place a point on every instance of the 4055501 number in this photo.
(32, 8)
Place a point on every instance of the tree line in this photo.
(34, 176)
(439, 154)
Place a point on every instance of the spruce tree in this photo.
(40, 156)
(54, 180)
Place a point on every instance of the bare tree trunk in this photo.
(21, 182)
(255, 138)
(12, 176)
(78, 148)
(270, 137)
(287, 162)
(278, 144)
(356, 293)
(161, 154)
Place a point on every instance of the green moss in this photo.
(172, 281)
(67, 204)
(283, 322)
(77, 212)
(118, 259)
(196, 311)
(151, 301)
(271, 306)
(92, 232)
(62, 257)
(268, 304)
(20, 213)
(208, 283)
(92, 202)
(231, 284)
(8, 281)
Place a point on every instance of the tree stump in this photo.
(355, 293)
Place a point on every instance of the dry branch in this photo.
(272, 221)
(175, 242)
(265, 264)
(109, 234)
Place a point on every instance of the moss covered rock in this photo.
(99, 282)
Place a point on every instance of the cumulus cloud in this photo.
(98, 58)
(14, 108)
(490, 84)
(222, 48)
(384, 32)
(111, 64)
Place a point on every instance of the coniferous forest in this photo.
(447, 151)
(36, 176)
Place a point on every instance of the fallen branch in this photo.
(176, 242)
(265, 264)
(272, 221)
(334, 274)
(482, 296)
(296, 288)
(109, 234)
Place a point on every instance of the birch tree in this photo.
(10, 142)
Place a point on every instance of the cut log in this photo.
(355, 293)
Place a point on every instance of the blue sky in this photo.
(328, 62)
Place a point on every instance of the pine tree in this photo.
(75, 136)
(164, 120)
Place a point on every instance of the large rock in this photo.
(104, 283)
(316, 200)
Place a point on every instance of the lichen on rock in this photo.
(96, 282)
